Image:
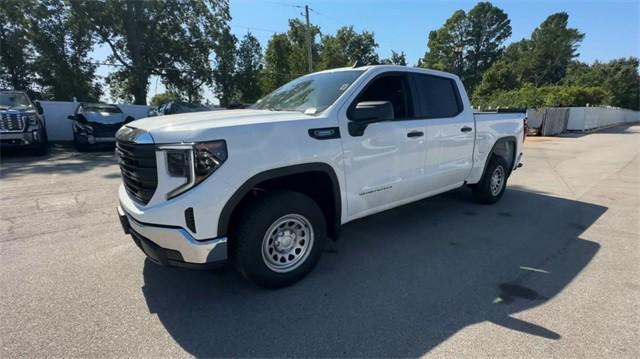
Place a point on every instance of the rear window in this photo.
(438, 96)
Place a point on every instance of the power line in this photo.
(284, 4)
(255, 28)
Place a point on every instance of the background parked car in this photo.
(95, 124)
(22, 123)
(174, 107)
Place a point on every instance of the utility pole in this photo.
(309, 40)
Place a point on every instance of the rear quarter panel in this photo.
(491, 127)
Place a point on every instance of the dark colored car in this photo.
(22, 123)
(96, 124)
(174, 107)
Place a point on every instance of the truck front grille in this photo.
(138, 167)
(11, 122)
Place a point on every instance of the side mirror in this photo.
(39, 108)
(368, 112)
(72, 117)
(372, 111)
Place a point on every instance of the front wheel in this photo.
(80, 147)
(42, 147)
(493, 183)
(279, 238)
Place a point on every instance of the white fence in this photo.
(590, 118)
(59, 126)
(580, 119)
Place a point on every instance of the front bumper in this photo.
(86, 139)
(20, 138)
(174, 246)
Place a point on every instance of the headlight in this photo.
(31, 119)
(194, 162)
(84, 127)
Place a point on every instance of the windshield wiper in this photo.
(275, 109)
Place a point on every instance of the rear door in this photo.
(450, 130)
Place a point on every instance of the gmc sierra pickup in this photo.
(22, 122)
(265, 187)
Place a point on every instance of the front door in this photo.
(385, 164)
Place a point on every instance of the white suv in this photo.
(267, 186)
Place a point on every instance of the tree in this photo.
(225, 72)
(447, 45)
(297, 35)
(249, 65)
(542, 60)
(360, 47)
(468, 43)
(554, 45)
(488, 28)
(348, 47)
(64, 68)
(510, 71)
(16, 51)
(396, 59)
(619, 77)
(156, 37)
(332, 53)
(277, 70)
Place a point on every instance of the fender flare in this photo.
(498, 142)
(246, 187)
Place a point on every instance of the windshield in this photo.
(101, 108)
(310, 94)
(14, 100)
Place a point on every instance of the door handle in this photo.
(415, 134)
(466, 129)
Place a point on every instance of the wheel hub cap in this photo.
(284, 241)
(287, 243)
(497, 180)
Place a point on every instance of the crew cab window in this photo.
(390, 88)
(438, 96)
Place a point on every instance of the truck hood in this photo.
(189, 125)
(18, 110)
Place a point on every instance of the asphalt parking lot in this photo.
(550, 271)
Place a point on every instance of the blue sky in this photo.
(611, 26)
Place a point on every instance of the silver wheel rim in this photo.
(287, 243)
(497, 181)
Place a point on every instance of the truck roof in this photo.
(400, 68)
(12, 91)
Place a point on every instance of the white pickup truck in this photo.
(265, 187)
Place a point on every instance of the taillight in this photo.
(526, 129)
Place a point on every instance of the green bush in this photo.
(544, 96)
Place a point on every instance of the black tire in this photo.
(250, 236)
(483, 191)
(80, 147)
(41, 148)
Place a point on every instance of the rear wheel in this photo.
(279, 238)
(493, 183)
